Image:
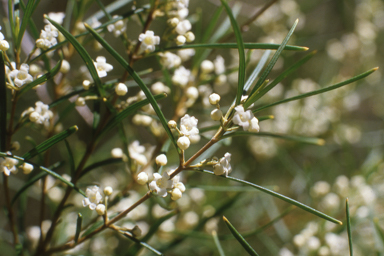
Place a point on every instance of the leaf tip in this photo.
(320, 142)
(225, 219)
(271, 117)
(376, 68)
(339, 222)
(305, 48)
(76, 128)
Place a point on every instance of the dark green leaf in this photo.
(50, 142)
(145, 245)
(101, 163)
(78, 226)
(349, 228)
(240, 238)
(71, 160)
(27, 15)
(3, 105)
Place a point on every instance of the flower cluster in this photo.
(148, 41)
(118, 28)
(47, 38)
(40, 114)
(4, 45)
(189, 133)
(21, 76)
(102, 66)
(246, 119)
(162, 184)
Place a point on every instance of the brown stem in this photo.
(10, 210)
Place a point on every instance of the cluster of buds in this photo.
(177, 11)
(188, 132)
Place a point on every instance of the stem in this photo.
(10, 210)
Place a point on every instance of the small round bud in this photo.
(207, 66)
(192, 93)
(80, 101)
(176, 194)
(221, 79)
(121, 89)
(142, 178)
(4, 45)
(172, 124)
(214, 99)
(183, 142)
(190, 37)
(194, 139)
(34, 69)
(216, 114)
(161, 160)
(117, 153)
(100, 209)
(173, 22)
(108, 191)
(27, 168)
(86, 84)
(180, 40)
(40, 43)
(136, 231)
(15, 145)
(34, 117)
(65, 67)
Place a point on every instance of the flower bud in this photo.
(142, 178)
(108, 191)
(190, 37)
(183, 142)
(117, 153)
(34, 117)
(207, 66)
(161, 160)
(173, 22)
(4, 45)
(40, 43)
(180, 40)
(176, 194)
(80, 101)
(65, 67)
(136, 231)
(192, 93)
(86, 84)
(121, 89)
(214, 99)
(216, 114)
(15, 145)
(100, 209)
(27, 168)
(172, 124)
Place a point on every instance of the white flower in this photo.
(118, 27)
(65, 67)
(47, 38)
(40, 114)
(8, 165)
(27, 168)
(223, 166)
(86, 84)
(142, 178)
(159, 87)
(207, 66)
(246, 119)
(136, 153)
(189, 36)
(188, 126)
(183, 27)
(169, 60)
(57, 17)
(93, 197)
(121, 89)
(160, 184)
(161, 159)
(183, 142)
(186, 54)
(4, 45)
(176, 194)
(181, 76)
(21, 76)
(172, 124)
(102, 66)
(192, 93)
(117, 153)
(148, 41)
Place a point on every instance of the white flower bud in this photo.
(173, 22)
(80, 101)
(159, 87)
(180, 40)
(216, 114)
(108, 191)
(221, 79)
(65, 67)
(27, 168)
(136, 231)
(86, 84)
(121, 89)
(207, 66)
(34, 116)
(190, 37)
(142, 178)
(214, 98)
(40, 43)
(176, 194)
(172, 124)
(117, 153)
(100, 209)
(161, 160)
(194, 139)
(183, 142)
(4, 45)
(192, 93)
(15, 145)
(34, 69)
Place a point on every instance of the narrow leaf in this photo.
(50, 142)
(257, 70)
(349, 227)
(282, 197)
(108, 9)
(101, 163)
(300, 139)
(42, 79)
(217, 243)
(240, 238)
(145, 245)
(83, 54)
(278, 79)
(27, 15)
(67, 96)
(274, 59)
(329, 88)
(240, 46)
(71, 159)
(134, 75)
(3, 105)
(78, 227)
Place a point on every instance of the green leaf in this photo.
(42, 79)
(71, 159)
(349, 228)
(78, 227)
(278, 79)
(96, 225)
(134, 75)
(68, 14)
(275, 57)
(24, 23)
(35, 178)
(240, 47)
(83, 54)
(217, 243)
(102, 7)
(3, 105)
(300, 139)
(145, 245)
(67, 96)
(49, 143)
(101, 163)
(282, 197)
(108, 9)
(128, 111)
(257, 70)
(240, 238)
(329, 88)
